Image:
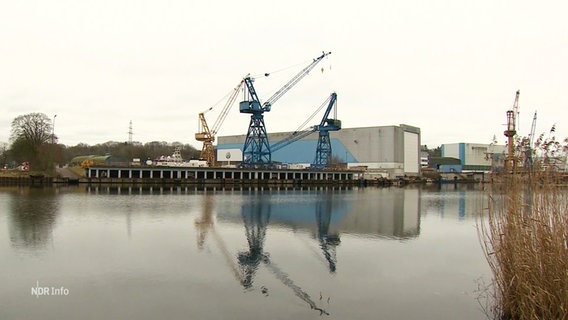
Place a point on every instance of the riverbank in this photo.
(24, 178)
(216, 177)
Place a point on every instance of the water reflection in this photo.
(328, 241)
(205, 225)
(453, 201)
(33, 213)
(255, 216)
(113, 189)
(249, 252)
(390, 213)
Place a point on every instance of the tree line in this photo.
(32, 140)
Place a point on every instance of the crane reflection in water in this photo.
(328, 242)
(256, 218)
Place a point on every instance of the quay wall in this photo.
(25, 180)
(218, 176)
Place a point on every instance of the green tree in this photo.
(3, 153)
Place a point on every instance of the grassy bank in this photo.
(525, 239)
(20, 174)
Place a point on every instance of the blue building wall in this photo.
(303, 151)
(462, 153)
(447, 168)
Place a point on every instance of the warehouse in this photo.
(473, 156)
(387, 151)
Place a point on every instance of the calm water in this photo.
(184, 253)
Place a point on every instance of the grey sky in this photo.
(448, 67)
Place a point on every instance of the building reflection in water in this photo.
(454, 201)
(393, 213)
(376, 212)
(325, 213)
(33, 213)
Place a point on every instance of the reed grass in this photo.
(525, 240)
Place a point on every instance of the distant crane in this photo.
(207, 135)
(510, 160)
(529, 147)
(327, 124)
(256, 149)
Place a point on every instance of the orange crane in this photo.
(206, 224)
(206, 134)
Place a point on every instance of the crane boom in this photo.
(217, 124)
(533, 128)
(298, 135)
(324, 125)
(529, 148)
(207, 135)
(516, 110)
(294, 80)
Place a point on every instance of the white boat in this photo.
(175, 160)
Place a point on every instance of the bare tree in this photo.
(29, 133)
(33, 128)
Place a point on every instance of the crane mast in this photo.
(256, 149)
(323, 149)
(207, 135)
(327, 124)
(510, 162)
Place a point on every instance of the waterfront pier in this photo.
(206, 175)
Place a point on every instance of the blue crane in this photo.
(256, 150)
(327, 124)
(323, 149)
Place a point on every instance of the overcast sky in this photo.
(450, 67)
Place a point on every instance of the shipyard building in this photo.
(474, 156)
(385, 151)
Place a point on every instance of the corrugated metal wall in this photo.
(385, 147)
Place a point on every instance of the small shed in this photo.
(446, 164)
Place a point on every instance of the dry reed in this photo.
(525, 239)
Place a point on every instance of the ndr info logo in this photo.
(49, 291)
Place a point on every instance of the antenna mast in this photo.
(130, 133)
